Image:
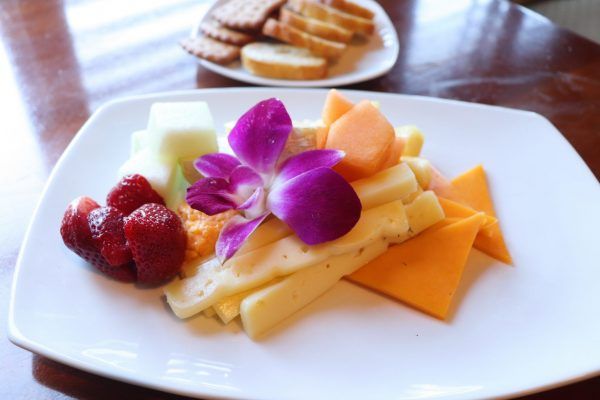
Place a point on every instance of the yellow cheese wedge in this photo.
(388, 185)
(473, 191)
(413, 138)
(421, 168)
(229, 307)
(425, 271)
(423, 212)
(265, 308)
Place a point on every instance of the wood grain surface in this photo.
(60, 60)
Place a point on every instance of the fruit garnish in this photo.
(77, 236)
(106, 226)
(157, 241)
(75, 230)
(303, 190)
(132, 192)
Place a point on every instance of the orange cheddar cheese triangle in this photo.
(473, 191)
(491, 242)
(453, 209)
(425, 271)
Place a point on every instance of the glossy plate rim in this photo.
(21, 339)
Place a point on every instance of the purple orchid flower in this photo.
(303, 191)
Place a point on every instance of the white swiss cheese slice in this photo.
(265, 308)
(283, 257)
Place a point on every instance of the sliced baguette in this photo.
(330, 15)
(350, 7)
(289, 34)
(314, 26)
(282, 61)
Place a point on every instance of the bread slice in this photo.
(282, 61)
(318, 46)
(331, 15)
(350, 7)
(314, 26)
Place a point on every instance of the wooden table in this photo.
(59, 60)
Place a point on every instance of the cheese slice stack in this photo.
(425, 271)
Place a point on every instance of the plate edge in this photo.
(19, 339)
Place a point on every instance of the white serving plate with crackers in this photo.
(365, 58)
(518, 329)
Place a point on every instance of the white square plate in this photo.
(513, 329)
(364, 59)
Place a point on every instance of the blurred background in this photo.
(580, 16)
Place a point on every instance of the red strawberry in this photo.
(106, 225)
(77, 236)
(131, 192)
(157, 241)
(124, 273)
(75, 230)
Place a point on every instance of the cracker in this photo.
(246, 14)
(216, 31)
(211, 50)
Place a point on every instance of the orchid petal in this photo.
(244, 180)
(259, 136)
(234, 234)
(306, 161)
(216, 165)
(211, 196)
(255, 204)
(319, 205)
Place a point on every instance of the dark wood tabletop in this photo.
(61, 59)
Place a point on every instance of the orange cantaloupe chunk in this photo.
(366, 136)
(395, 153)
(472, 189)
(321, 137)
(442, 186)
(425, 271)
(336, 104)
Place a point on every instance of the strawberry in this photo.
(106, 226)
(131, 192)
(123, 273)
(157, 241)
(77, 236)
(75, 230)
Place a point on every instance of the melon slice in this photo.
(442, 186)
(139, 141)
(336, 104)
(366, 136)
(425, 271)
(181, 130)
(395, 153)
